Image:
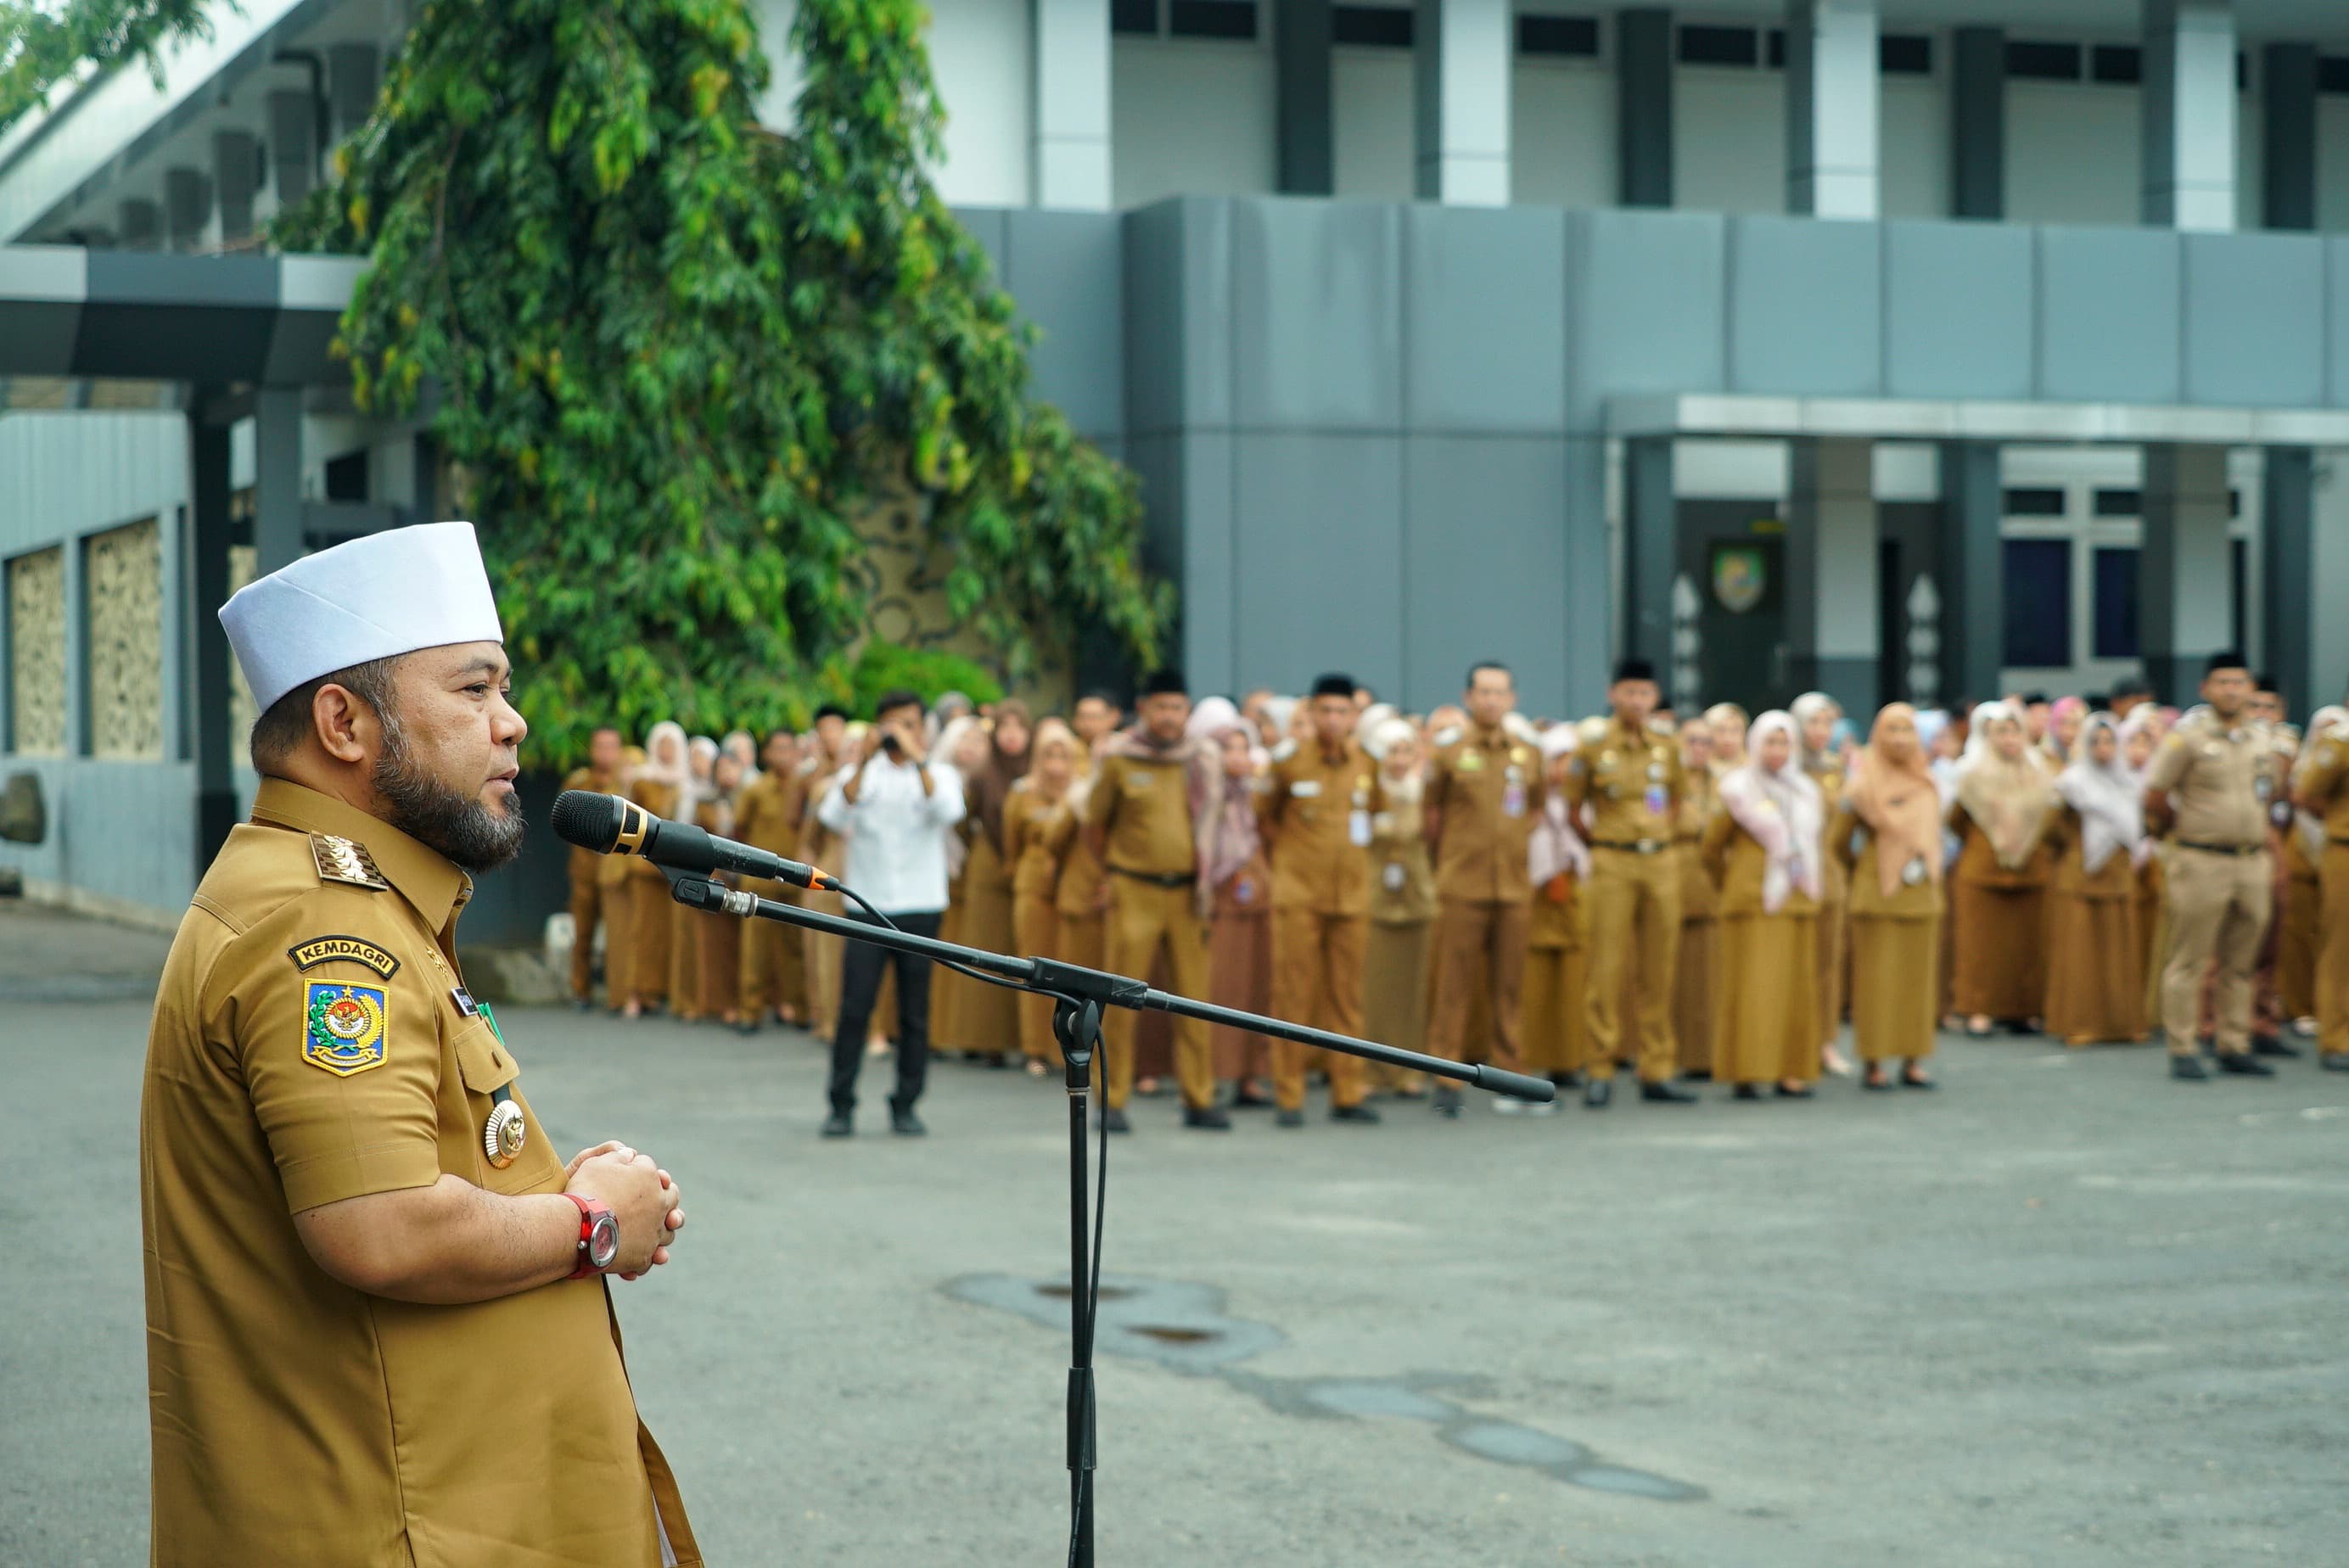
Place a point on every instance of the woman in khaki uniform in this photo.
(1814, 715)
(2299, 943)
(687, 926)
(1402, 906)
(2141, 735)
(1236, 888)
(1558, 933)
(1888, 831)
(1762, 848)
(1028, 816)
(613, 874)
(1695, 1010)
(657, 785)
(2095, 978)
(2002, 815)
(719, 937)
(983, 1020)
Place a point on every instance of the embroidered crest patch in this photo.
(347, 1027)
(326, 949)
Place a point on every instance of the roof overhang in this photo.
(1736, 415)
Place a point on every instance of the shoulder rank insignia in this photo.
(328, 949)
(345, 1028)
(343, 860)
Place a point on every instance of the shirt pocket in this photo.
(486, 1065)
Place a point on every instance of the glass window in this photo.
(2115, 608)
(2038, 604)
(1211, 18)
(2035, 501)
(1376, 26)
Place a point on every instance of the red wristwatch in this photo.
(600, 1237)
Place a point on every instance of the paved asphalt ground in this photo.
(2061, 1311)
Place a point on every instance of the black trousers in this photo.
(860, 987)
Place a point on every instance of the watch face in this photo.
(603, 1242)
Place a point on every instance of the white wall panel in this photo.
(1729, 140)
(980, 54)
(1191, 119)
(776, 104)
(2071, 153)
(1373, 119)
(1562, 138)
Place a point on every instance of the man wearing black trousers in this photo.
(896, 811)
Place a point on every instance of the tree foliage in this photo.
(43, 42)
(674, 354)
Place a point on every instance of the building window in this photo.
(2119, 503)
(2118, 63)
(1372, 27)
(1905, 55)
(1573, 36)
(1134, 16)
(1705, 46)
(123, 617)
(2038, 604)
(2114, 570)
(2332, 74)
(2034, 501)
(2041, 62)
(1211, 18)
(37, 653)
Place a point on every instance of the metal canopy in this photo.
(1964, 419)
(208, 321)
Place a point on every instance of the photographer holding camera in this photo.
(896, 811)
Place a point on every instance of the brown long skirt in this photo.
(2296, 944)
(1695, 1012)
(684, 962)
(2002, 950)
(1394, 997)
(1552, 1019)
(1769, 972)
(1034, 927)
(648, 926)
(1240, 975)
(721, 979)
(1834, 957)
(1896, 986)
(2096, 979)
(974, 1016)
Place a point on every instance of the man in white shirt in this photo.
(896, 810)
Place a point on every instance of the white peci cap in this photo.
(370, 598)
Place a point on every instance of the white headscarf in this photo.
(1801, 710)
(678, 773)
(2107, 797)
(2009, 801)
(1780, 810)
(1554, 846)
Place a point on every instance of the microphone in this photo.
(612, 826)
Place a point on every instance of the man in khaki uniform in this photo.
(1138, 824)
(2322, 786)
(1318, 812)
(1627, 782)
(767, 815)
(375, 1335)
(602, 775)
(1484, 792)
(2208, 786)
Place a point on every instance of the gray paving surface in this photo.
(2063, 1312)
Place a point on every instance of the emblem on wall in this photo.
(1738, 577)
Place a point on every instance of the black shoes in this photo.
(2270, 1046)
(838, 1125)
(1114, 1121)
(2189, 1069)
(1358, 1113)
(1597, 1093)
(1806, 1092)
(746, 1025)
(1670, 1094)
(1754, 1090)
(1206, 1119)
(1447, 1103)
(1567, 1080)
(1289, 1118)
(2242, 1064)
(905, 1124)
(1912, 1081)
(1246, 1098)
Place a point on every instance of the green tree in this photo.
(43, 42)
(674, 354)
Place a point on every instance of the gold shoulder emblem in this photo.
(343, 860)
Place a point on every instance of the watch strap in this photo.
(589, 1212)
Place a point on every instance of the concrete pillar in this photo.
(353, 76)
(2188, 100)
(187, 206)
(1300, 45)
(1068, 151)
(1832, 624)
(1650, 549)
(1831, 109)
(1643, 108)
(1462, 52)
(2288, 136)
(2295, 589)
(139, 224)
(2184, 607)
(1969, 571)
(292, 145)
(236, 175)
(1978, 122)
(277, 478)
(207, 685)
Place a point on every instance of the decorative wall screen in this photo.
(123, 586)
(37, 653)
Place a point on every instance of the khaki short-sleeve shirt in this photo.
(1489, 788)
(2219, 780)
(1144, 805)
(311, 1043)
(1320, 812)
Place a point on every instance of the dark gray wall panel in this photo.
(1592, 642)
(1484, 556)
(1178, 324)
(1484, 318)
(1958, 310)
(1064, 270)
(1643, 304)
(1319, 558)
(987, 225)
(1186, 500)
(2336, 278)
(2108, 326)
(1316, 317)
(1805, 312)
(2252, 303)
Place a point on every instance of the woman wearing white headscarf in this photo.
(685, 925)
(1558, 933)
(2140, 736)
(1816, 716)
(1235, 884)
(2095, 956)
(1403, 903)
(1762, 848)
(2004, 810)
(657, 784)
(2299, 921)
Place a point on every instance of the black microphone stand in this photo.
(1080, 996)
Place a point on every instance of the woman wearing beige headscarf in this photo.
(1558, 934)
(1815, 715)
(657, 784)
(1887, 832)
(717, 937)
(686, 925)
(2002, 815)
(983, 1019)
(2140, 735)
(1762, 848)
(1403, 905)
(1236, 887)
(1727, 722)
(1029, 815)
(2095, 978)
(1695, 1004)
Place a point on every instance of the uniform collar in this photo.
(427, 879)
(1488, 736)
(1630, 732)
